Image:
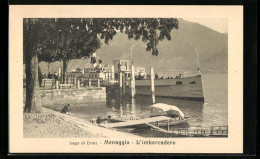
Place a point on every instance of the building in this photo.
(74, 74)
(125, 66)
(107, 73)
(104, 73)
(122, 66)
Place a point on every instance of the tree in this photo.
(65, 39)
(34, 32)
(72, 41)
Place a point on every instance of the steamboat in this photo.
(178, 87)
(121, 70)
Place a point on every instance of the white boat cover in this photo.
(166, 107)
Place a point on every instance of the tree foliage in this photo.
(74, 38)
(150, 30)
(62, 39)
(70, 41)
(35, 33)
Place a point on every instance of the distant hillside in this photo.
(215, 61)
(179, 53)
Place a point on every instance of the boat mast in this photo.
(131, 55)
(199, 73)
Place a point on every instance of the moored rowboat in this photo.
(161, 115)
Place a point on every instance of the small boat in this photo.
(173, 112)
(161, 115)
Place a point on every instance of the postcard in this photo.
(125, 79)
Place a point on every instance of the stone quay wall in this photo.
(80, 96)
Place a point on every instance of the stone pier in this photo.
(85, 96)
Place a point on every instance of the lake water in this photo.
(212, 112)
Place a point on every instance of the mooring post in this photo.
(120, 79)
(107, 75)
(123, 83)
(57, 84)
(89, 82)
(133, 81)
(133, 112)
(152, 85)
(78, 82)
(98, 82)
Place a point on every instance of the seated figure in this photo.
(65, 109)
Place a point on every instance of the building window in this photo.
(179, 82)
(193, 82)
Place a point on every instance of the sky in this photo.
(220, 25)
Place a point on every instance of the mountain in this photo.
(178, 53)
(215, 61)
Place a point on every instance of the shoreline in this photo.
(52, 124)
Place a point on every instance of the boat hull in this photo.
(161, 124)
(182, 88)
(191, 88)
(171, 122)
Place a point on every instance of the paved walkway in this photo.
(52, 124)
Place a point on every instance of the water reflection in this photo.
(138, 107)
(213, 112)
(125, 107)
(91, 111)
(133, 113)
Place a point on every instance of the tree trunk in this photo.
(64, 70)
(33, 98)
(48, 67)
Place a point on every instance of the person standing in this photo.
(49, 75)
(56, 76)
(156, 76)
